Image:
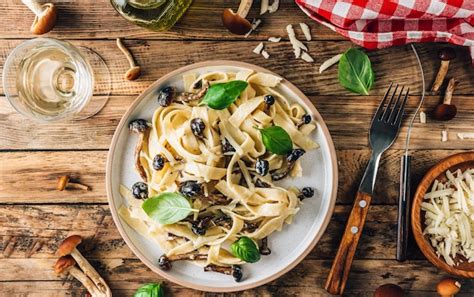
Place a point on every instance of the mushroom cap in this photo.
(69, 244)
(448, 287)
(235, 23)
(133, 73)
(63, 264)
(62, 182)
(46, 21)
(389, 290)
(445, 112)
(446, 54)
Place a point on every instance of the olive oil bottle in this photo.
(158, 15)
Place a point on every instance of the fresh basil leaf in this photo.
(220, 96)
(355, 71)
(276, 140)
(167, 208)
(150, 290)
(245, 249)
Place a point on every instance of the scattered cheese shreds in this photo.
(274, 7)
(255, 24)
(422, 117)
(305, 56)
(444, 136)
(297, 52)
(329, 62)
(265, 54)
(306, 31)
(293, 40)
(274, 39)
(258, 49)
(263, 7)
(466, 135)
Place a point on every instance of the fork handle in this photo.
(403, 209)
(341, 266)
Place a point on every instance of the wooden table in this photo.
(34, 217)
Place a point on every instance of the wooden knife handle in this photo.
(341, 266)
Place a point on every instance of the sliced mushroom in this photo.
(446, 111)
(187, 96)
(65, 182)
(141, 127)
(448, 287)
(261, 184)
(288, 164)
(236, 22)
(446, 54)
(66, 264)
(264, 249)
(389, 290)
(199, 227)
(191, 189)
(68, 247)
(164, 262)
(233, 270)
(135, 70)
(45, 16)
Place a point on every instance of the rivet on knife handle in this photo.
(341, 266)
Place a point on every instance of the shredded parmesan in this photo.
(265, 54)
(449, 216)
(306, 57)
(258, 49)
(263, 7)
(274, 39)
(422, 117)
(466, 135)
(329, 62)
(274, 7)
(444, 136)
(306, 31)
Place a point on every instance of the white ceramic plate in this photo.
(288, 247)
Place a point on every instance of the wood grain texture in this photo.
(160, 57)
(347, 117)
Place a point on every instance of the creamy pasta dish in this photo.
(209, 160)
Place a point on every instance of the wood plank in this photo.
(160, 57)
(97, 19)
(23, 182)
(48, 225)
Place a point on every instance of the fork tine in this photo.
(380, 109)
(396, 106)
(399, 117)
(389, 109)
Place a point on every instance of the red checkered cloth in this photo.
(379, 24)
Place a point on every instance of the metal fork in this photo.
(383, 132)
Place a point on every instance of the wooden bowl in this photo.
(458, 161)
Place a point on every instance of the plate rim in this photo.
(237, 287)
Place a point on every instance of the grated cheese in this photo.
(444, 136)
(329, 62)
(422, 117)
(263, 7)
(265, 54)
(258, 49)
(449, 216)
(466, 135)
(274, 39)
(306, 57)
(306, 31)
(274, 7)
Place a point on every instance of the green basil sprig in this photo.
(167, 208)
(276, 140)
(246, 250)
(221, 95)
(150, 290)
(355, 71)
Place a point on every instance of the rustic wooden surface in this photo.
(33, 214)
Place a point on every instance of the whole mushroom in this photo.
(446, 54)
(446, 111)
(448, 287)
(45, 16)
(389, 290)
(140, 127)
(135, 70)
(236, 22)
(68, 247)
(66, 264)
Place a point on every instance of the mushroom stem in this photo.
(448, 95)
(34, 6)
(138, 149)
(443, 70)
(91, 272)
(64, 182)
(244, 8)
(134, 71)
(233, 270)
(85, 281)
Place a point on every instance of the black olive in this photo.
(262, 166)
(237, 273)
(227, 147)
(164, 263)
(140, 190)
(307, 192)
(295, 155)
(306, 118)
(200, 227)
(158, 162)
(165, 96)
(190, 188)
(138, 125)
(197, 126)
(198, 84)
(269, 100)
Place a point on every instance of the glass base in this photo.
(102, 85)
